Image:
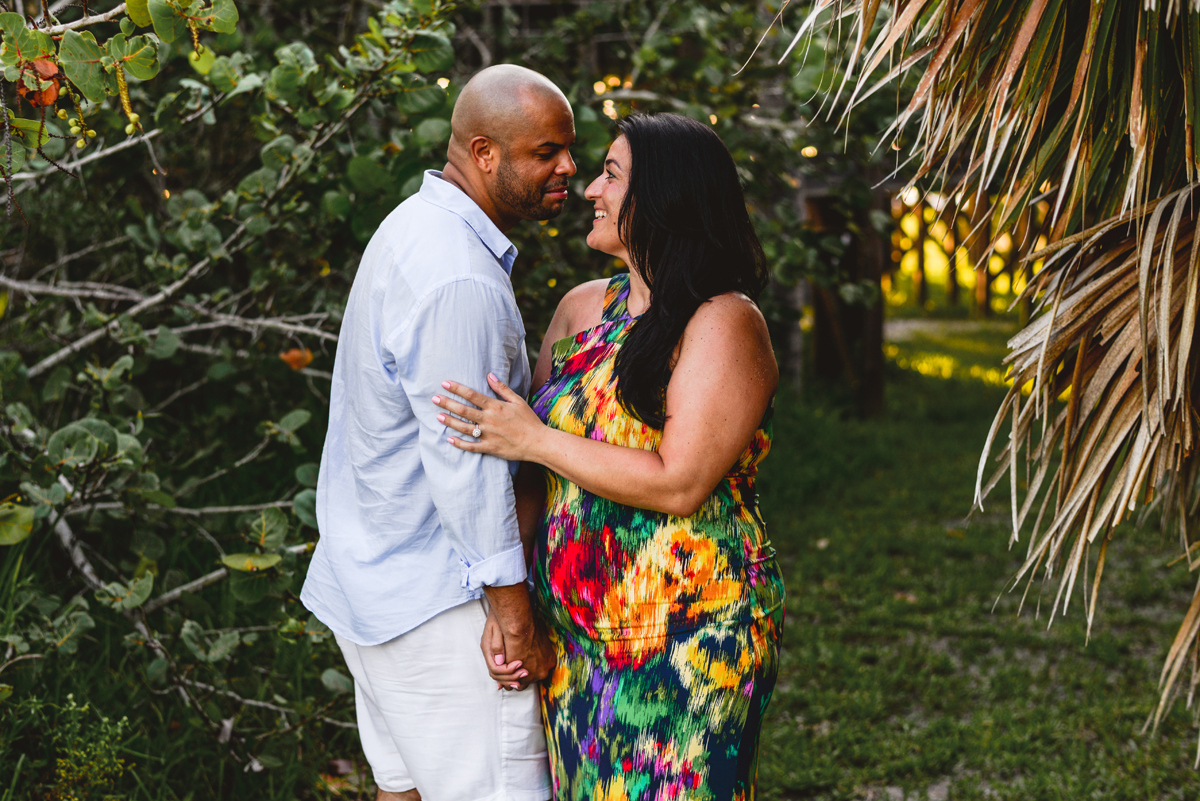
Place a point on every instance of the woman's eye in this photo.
(610, 175)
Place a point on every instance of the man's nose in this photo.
(566, 166)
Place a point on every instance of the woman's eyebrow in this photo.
(613, 162)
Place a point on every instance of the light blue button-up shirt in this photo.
(410, 525)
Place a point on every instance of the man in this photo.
(414, 531)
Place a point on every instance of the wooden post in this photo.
(981, 239)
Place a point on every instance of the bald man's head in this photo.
(510, 135)
(499, 102)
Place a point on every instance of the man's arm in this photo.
(469, 327)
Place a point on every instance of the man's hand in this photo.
(516, 649)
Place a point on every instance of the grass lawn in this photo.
(899, 679)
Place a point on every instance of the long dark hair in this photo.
(685, 225)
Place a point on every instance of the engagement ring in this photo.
(477, 433)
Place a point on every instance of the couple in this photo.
(623, 491)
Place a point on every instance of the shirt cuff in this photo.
(503, 569)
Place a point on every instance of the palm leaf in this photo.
(1090, 104)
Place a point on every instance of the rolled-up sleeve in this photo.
(463, 330)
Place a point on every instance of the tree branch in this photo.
(93, 19)
(283, 710)
(69, 291)
(180, 510)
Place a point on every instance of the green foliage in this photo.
(157, 456)
(152, 389)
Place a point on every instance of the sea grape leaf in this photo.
(121, 597)
(16, 522)
(431, 52)
(21, 44)
(415, 97)
(223, 646)
(18, 159)
(192, 634)
(306, 474)
(103, 432)
(80, 57)
(166, 342)
(139, 55)
(251, 562)
(305, 507)
(72, 446)
(139, 12)
(70, 625)
(129, 449)
(168, 23)
(293, 420)
(337, 682)
(432, 132)
(269, 529)
(223, 17)
(277, 153)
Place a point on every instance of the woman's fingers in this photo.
(468, 394)
(456, 424)
(454, 407)
(503, 389)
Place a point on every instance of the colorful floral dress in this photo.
(667, 628)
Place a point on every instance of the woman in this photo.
(651, 413)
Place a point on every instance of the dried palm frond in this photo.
(1090, 105)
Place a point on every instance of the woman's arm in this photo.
(722, 382)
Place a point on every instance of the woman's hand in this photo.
(507, 676)
(508, 427)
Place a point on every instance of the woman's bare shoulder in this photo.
(581, 308)
(731, 328)
(730, 311)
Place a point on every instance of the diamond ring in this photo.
(477, 433)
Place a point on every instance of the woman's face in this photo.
(608, 193)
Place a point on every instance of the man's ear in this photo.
(485, 153)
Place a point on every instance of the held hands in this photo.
(538, 652)
(508, 427)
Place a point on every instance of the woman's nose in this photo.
(592, 192)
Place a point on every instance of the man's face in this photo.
(531, 179)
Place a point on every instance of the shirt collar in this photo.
(443, 194)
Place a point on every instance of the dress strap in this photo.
(615, 299)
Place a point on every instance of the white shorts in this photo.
(430, 716)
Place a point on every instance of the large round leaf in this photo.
(432, 52)
(139, 12)
(72, 446)
(415, 96)
(433, 132)
(15, 523)
(168, 23)
(139, 55)
(305, 507)
(269, 529)
(251, 562)
(102, 431)
(80, 57)
(18, 158)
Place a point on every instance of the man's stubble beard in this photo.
(524, 200)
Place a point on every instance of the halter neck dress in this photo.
(666, 628)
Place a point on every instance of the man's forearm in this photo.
(512, 609)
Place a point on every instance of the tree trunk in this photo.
(950, 218)
(848, 338)
(981, 239)
(920, 286)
